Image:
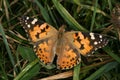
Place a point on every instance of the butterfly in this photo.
(68, 46)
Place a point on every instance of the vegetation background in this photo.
(19, 62)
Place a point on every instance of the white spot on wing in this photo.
(100, 36)
(101, 40)
(25, 21)
(92, 36)
(34, 46)
(28, 26)
(34, 21)
(27, 18)
(95, 43)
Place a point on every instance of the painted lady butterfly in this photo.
(68, 46)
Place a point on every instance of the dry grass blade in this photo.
(70, 73)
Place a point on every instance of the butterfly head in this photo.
(61, 31)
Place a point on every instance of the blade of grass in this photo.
(97, 10)
(6, 10)
(76, 72)
(69, 73)
(94, 14)
(52, 16)
(4, 74)
(110, 5)
(26, 74)
(77, 2)
(102, 70)
(7, 47)
(108, 51)
(67, 17)
(44, 12)
(26, 53)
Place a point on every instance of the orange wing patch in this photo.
(43, 50)
(39, 32)
(83, 43)
(88, 42)
(69, 58)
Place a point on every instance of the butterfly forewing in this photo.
(36, 29)
(87, 42)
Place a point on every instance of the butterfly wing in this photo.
(68, 57)
(37, 29)
(44, 49)
(43, 37)
(87, 42)
(75, 43)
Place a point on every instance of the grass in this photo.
(17, 58)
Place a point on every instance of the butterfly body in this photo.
(68, 46)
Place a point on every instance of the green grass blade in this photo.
(67, 17)
(29, 71)
(76, 72)
(26, 53)
(110, 5)
(3, 73)
(44, 12)
(109, 51)
(102, 70)
(77, 2)
(52, 15)
(7, 46)
(97, 10)
(94, 14)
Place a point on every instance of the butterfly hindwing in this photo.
(69, 58)
(44, 50)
